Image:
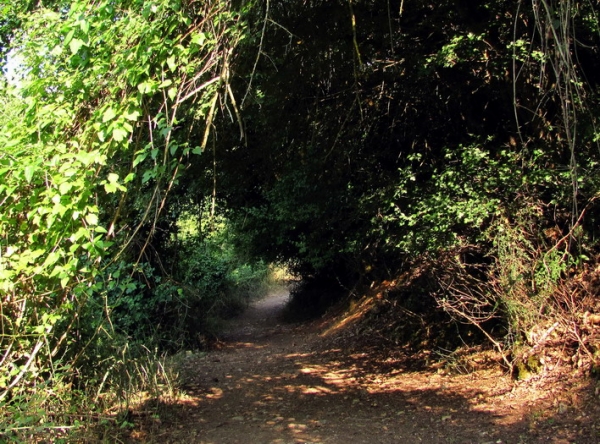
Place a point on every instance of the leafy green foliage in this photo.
(348, 141)
(215, 280)
(90, 151)
(445, 125)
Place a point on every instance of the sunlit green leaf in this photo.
(75, 45)
(198, 38)
(29, 171)
(84, 25)
(91, 219)
(109, 114)
(171, 63)
(65, 187)
(119, 134)
(133, 115)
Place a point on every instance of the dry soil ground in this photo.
(271, 382)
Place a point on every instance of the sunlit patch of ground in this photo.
(276, 383)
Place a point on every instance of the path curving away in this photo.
(273, 382)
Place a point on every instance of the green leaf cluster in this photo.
(90, 150)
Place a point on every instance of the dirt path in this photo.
(277, 383)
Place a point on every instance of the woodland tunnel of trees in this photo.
(157, 157)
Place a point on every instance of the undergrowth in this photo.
(521, 294)
(129, 337)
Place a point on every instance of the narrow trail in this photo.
(272, 382)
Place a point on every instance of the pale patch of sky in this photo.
(11, 70)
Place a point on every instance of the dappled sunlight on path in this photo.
(272, 382)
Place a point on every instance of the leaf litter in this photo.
(268, 381)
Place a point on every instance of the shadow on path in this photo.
(273, 382)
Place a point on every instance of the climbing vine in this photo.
(90, 152)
